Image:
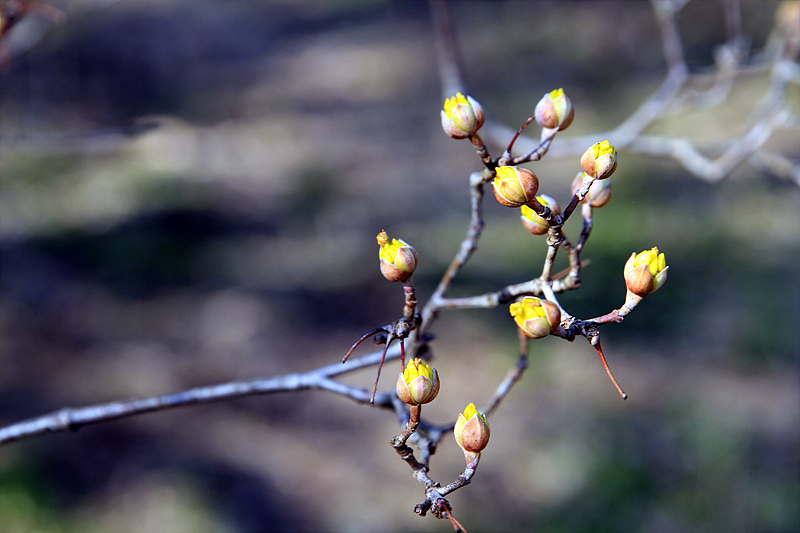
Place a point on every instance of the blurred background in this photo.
(190, 192)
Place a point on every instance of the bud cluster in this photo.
(515, 186)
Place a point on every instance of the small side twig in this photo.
(514, 375)
(468, 247)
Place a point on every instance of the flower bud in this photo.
(599, 191)
(515, 186)
(418, 384)
(533, 222)
(645, 272)
(554, 110)
(398, 258)
(462, 116)
(600, 160)
(472, 430)
(536, 317)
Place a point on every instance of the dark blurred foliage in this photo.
(189, 193)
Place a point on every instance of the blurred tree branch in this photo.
(771, 115)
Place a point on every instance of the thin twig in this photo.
(446, 49)
(514, 375)
(468, 247)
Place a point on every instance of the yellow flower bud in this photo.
(554, 110)
(398, 258)
(418, 384)
(462, 116)
(515, 186)
(533, 222)
(599, 191)
(536, 317)
(645, 272)
(600, 160)
(472, 430)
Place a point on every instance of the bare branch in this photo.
(318, 379)
(769, 117)
(776, 164)
(514, 375)
(468, 247)
(623, 135)
(447, 50)
(739, 150)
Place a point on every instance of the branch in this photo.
(447, 51)
(468, 247)
(622, 136)
(68, 418)
(738, 150)
(514, 375)
(766, 118)
(776, 164)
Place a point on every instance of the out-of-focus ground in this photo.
(219, 225)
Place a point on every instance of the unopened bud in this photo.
(600, 160)
(418, 384)
(787, 22)
(536, 318)
(515, 186)
(533, 222)
(462, 116)
(554, 110)
(645, 272)
(599, 191)
(398, 259)
(472, 430)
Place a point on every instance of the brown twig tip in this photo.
(362, 339)
(380, 367)
(516, 136)
(446, 513)
(605, 364)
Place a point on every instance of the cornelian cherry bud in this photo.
(398, 258)
(418, 384)
(536, 318)
(600, 160)
(554, 110)
(462, 116)
(645, 272)
(515, 186)
(472, 430)
(533, 222)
